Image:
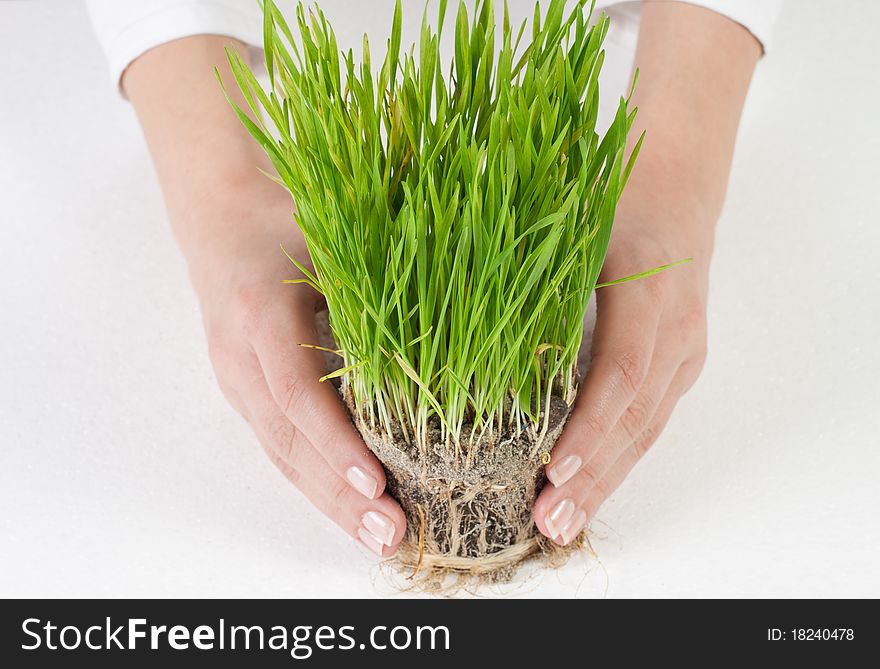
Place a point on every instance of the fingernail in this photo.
(564, 469)
(370, 541)
(573, 527)
(558, 516)
(379, 525)
(362, 482)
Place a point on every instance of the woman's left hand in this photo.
(648, 349)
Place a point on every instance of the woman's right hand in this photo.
(254, 324)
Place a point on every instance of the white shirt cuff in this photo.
(128, 29)
(757, 16)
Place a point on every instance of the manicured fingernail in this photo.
(379, 525)
(370, 541)
(573, 527)
(362, 482)
(564, 469)
(559, 516)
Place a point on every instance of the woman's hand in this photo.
(647, 350)
(254, 324)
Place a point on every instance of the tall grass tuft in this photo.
(457, 222)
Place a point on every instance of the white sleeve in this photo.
(757, 16)
(128, 28)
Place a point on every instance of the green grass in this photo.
(457, 221)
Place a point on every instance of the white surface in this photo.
(123, 473)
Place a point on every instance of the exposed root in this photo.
(494, 563)
(447, 575)
(469, 514)
(421, 541)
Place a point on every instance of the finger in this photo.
(292, 373)
(379, 524)
(562, 516)
(618, 472)
(669, 374)
(572, 466)
(577, 462)
(623, 348)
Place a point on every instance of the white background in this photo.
(123, 472)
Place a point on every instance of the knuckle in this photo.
(646, 439)
(341, 495)
(231, 395)
(221, 356)
(589, 477)
(283, 437)
(690, 371)
(631, 367)
(292, 391)
(692, 320)
(656, 288)
(635, 418)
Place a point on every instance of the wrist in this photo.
(673, 233)
(230, 209)
(235, 235)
